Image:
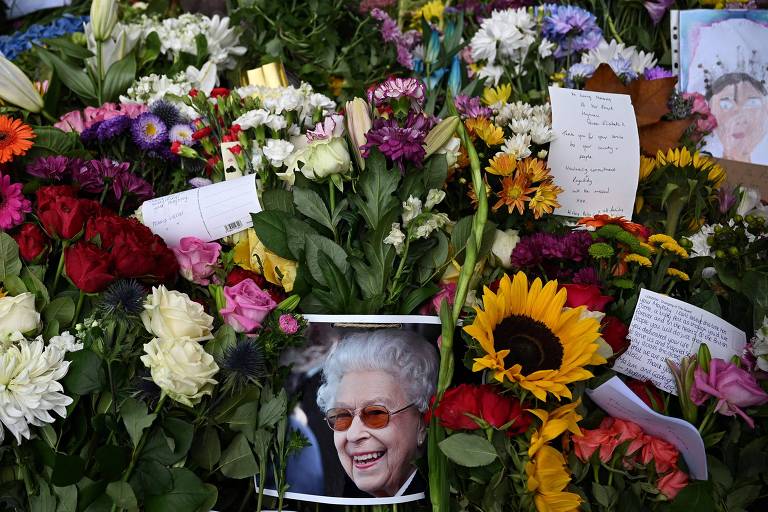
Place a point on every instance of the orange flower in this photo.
(503, 164)
(602, 219)
(545, 199)
(534, 169)
(514, 193)
(491, 134)
(15, 138)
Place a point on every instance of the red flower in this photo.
(175, 147)
(32, 242)
(672, 483)
(64, 217)
(236, 150)
(239, 274)
(586, 295)
(88, 267)
(235, 129)
(202, 133)
(455, 403)
(193, 92)
(483, 402)
(219, 91)
(47, 194)
(614, 333)
(648, 393)
(137, 253)
(228, 138)
(499, 410)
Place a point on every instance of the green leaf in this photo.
(206, 450)
(119, 77)
(10, 264)
(122, 496)
(157, 448)
(44, 501)
(313, 246)
(35, 285)
(187, 493)
(52, 141)
(151, 478)
(238, 461)
(697, 495)
(68, 48)
(278, 199)
(244, 419)
(150, 50)
(468, 450)
(61, 309)
(270, 228)
(311, 204)
(51, 330)
(67, 497)
(67, 469)
(86, 373)
(435, 172)
(275, 408)
(113, 461)
(417, 297)
(14, 285)
(742, 497)
(377, 186)
(136, 418)
(225, 338)
(48, 433)
(74, 78)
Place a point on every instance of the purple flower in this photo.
(397, 88)
(623, 68)
(400, 143)
(288, 324)
(112, 127)
(657, 72)
(53, 168)
(198, 182)
(149, 132)
(541, 248)
(88, 136)
(580, 71)
(657, 10)
(93, 174)
(725, 199)
(391, 33)
(573, 29)
(586, 275)
(471, 107)
(129, 183)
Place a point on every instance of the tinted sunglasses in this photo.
(373, 416)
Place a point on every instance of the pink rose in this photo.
(700, 105)
(197, 259)
(706, 124)
(627, 431)
(132, 110)
(734, 388)
(288, 324)
(672, 483)
(591, 440)
(71, 121)
(663, 454)
(93, 115)
(247, 306)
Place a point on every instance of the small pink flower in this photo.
(700, 105)
(734, 388)
(71, 121)
(133, 110)
(447, 292)
(247, 306)
(672, 483)
(628, 431)
(197, 259)
(706, 124)
(13, 204)
(288, 324)
(93, 115)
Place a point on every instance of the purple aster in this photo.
(396, 88)
(198, 182)
(182, 133)
(471, 107)
(657, 72)
(129, 183)
(658, 9)
(53, 168)
(149, 132)
(573, 29)
(93, 174)
(112, 127)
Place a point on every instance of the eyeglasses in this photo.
(373, 416)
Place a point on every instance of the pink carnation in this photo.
(288, 324)
(247, 306)
(133, 110)
(197, 259)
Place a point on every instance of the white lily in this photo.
(17, 89)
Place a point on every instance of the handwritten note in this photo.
(208, 213)
(595, 156)
(615, 398)
(664, 328)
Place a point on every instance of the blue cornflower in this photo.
(573, 29)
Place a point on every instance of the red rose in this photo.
(63, 217)
(455, 403)
(136, 252)
(104, 228)
(614, 333)
(88, 267)
(239, 274)
(648, 393)
(499, 410)
(47, 194)
(32, 242)
(483, 402)
(586, 295)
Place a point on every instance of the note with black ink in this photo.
(208, 213)
(595, 156)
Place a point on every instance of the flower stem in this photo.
(60, 267)
(79, 306)
(99, 73)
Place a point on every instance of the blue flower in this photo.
(17, 43)
(573, 29)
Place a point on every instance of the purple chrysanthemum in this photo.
(149, 132)
(657, 72)
(541, 248)
(112, 127)
(470, 107)
(586, 275)
(396, 88)
(129, 183)
(573, 29)
(13, 204)
(398, 143)
(93, 174)
(54, 168)
(182, 133)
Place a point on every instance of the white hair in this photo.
(405, 354)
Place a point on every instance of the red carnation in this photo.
(33, 243)
(88, 267)
(219, 91)
(202, 133)
(176, 147)
(193, 92)
(586, 295)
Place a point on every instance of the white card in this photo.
(664, 328)
(208, 213)
(231, 169)
(595, 156)
(615, 398)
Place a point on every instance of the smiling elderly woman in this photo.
(376, 387)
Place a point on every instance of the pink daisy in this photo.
(13, 204)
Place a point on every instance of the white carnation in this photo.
(277, 150)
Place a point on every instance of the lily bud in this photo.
(454, 79)
(290, 303)
(440, 134)
(704, 357)
(358, 121)
(17, 89)
(103, 18)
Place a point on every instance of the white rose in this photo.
(325, 157)
(181, 368)
(18, 314)
(503, 244)
(172, 314)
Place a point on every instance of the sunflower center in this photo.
(531, 344)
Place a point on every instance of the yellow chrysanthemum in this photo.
(503, 164)
(660, 238)
(553, 424)
(530, 340)
(647, 166)
(545, 199)
(431, 12)
(491, 134)
(637, 258)
(675, 248)
(673, 272)
(547, 477)
(535, 169)
(500, 94)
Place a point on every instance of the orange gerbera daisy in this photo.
(15, 138)
(514, 193)
(503, 164)
(602, 219)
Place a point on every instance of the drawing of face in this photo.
(378, 460)
(741, 111)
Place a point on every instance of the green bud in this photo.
(720, 254)
(733, 251)
(290, 303)
(440, 134)
(710, 240)
(738, 218)
(704, 357)
(685, 243)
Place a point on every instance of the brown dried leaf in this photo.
(650, 99)
(662, 135)
(605, 80)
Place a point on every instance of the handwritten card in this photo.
(664, 328)
(615, 398)
(208, 213)
(595, 156)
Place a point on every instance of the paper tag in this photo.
(664, 328)
(615, 398)
(208, 213)
(595, 156)
(230, 161)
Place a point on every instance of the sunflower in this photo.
(528, 339)
(15, 138)
(545, 199)
(514, 193)
(500, 94)
(647, 166)
(547, 477)
(681, 158)
(503, 164)
(491, 134)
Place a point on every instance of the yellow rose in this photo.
(252, 255)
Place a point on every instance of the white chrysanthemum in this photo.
(506, 33)
(520, 125)
(395, 238)
(276, 122)
(518, 146)
(640, 61)
(29, 386)
(277, 150)
(605, 52)
(699, 240)
(510, 111)
(541, 133)
(491, 74)
(546, 47)
(181, 368)
(411, 209)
